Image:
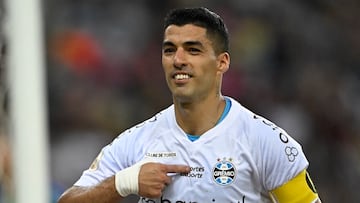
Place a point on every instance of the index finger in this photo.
(176, 168)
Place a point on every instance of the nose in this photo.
(180, 58)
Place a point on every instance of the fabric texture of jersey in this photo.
(239, 160)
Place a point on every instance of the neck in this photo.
(197, 117)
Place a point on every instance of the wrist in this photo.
(127, 180)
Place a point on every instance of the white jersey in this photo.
(239, 160)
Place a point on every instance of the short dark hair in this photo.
(202, 17)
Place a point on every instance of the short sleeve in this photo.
(110, 160)
(280, 158)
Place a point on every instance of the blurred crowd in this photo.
(294, 62)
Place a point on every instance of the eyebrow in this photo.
(168, 43)
(187, 43)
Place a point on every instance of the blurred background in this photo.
(294, 62)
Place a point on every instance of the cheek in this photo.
(210, 73)
(167, 68)
(166, 63)
(210, 69)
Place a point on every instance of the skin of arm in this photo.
(153, 179)
(103, 192)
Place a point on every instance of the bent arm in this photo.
(144, 179)
(104, 192)
(298, 189)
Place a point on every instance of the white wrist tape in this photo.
(127, 180)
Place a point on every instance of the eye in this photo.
(168, 50)
(194, 51)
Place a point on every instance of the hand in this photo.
(153, 178)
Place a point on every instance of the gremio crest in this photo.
(224, 172)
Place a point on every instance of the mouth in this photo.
(181, 76)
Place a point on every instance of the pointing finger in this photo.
(175, 168)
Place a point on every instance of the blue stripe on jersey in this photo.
(192, 138)
(226, 110)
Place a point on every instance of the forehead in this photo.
(188, 32)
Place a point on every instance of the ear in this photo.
(223, 62)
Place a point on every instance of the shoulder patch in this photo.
(95, 164)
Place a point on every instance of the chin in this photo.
(182, 98)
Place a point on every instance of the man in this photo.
(205, 147)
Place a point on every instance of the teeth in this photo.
(181, 76)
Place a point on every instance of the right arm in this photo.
(103, 192)
(151, 181)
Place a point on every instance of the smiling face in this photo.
(192, 69)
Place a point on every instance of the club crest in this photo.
(224, 172)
